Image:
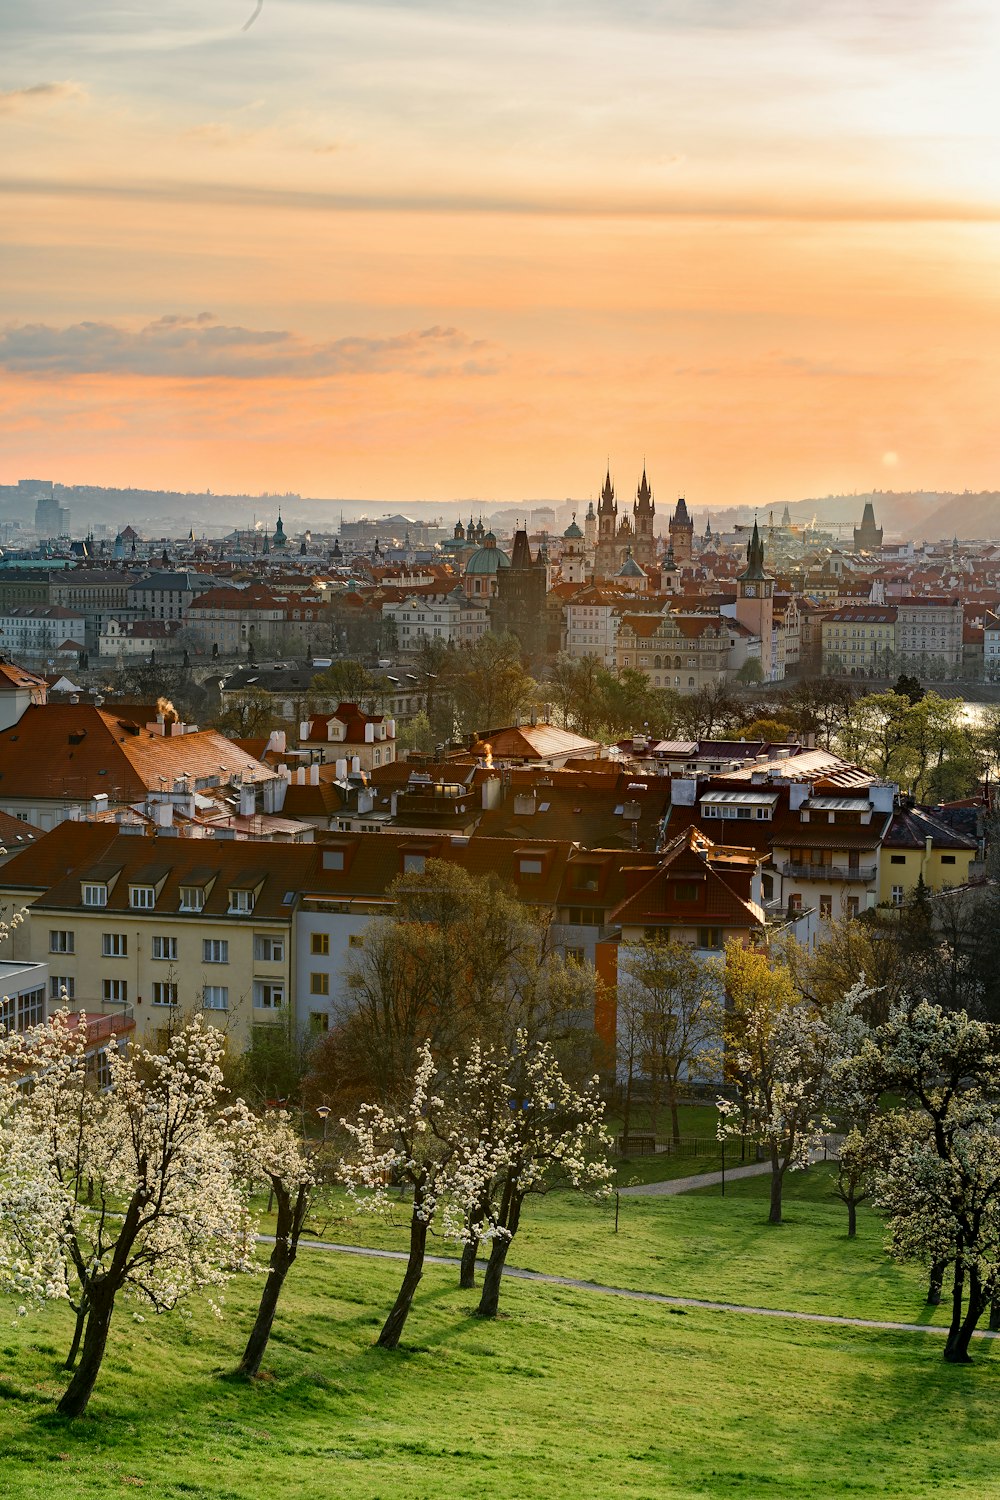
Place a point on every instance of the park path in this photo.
(674, 1185)
(575, 1284)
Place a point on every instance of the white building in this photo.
(38, 630)
(451, 618)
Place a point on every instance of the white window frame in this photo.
(215, 950)
(215, 997)
(115, 991)
(240, 903)
(114, 945)
(142, 897)
(192, 898)
(164, 948)
(268, 994)
(268, 950)
(62, 940)
(165, 992)
(60, 982)
(95, 894)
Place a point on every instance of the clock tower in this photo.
(755, 599)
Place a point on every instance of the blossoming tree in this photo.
(271, 1154)
(133, 1191)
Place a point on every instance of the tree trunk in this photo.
(467, 1275)
(291, 1217)
(490, 1298)
(957, 1299)
(777, 1178)
(95, 1338)
(393, 1327)
(957, 1349)
(675, 1119)
(936, 1283)
(852, 1219)
(74, 1348)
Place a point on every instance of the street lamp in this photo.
(323, 1110)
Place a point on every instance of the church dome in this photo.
(573, 532)
(488, 558)
(630, 568)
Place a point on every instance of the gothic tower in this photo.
(681, 528)
(605, 565)
(644, 509)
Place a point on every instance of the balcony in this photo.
(856, 874)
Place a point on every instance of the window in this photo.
(241, 902)
(319, 1021)
(165, 948)
(685, 890)
(215, 951)
(319, 984)
(165, 993)
(333, 859)
(268, 996)
(709, 937)
(269, 950)
(62, 942)
(947, 859)
(114, 945)
(897, 859)
(215, 997)
(192, 897)
(95, 895)
(142, 896)
(356, 940)
(530, 866)
(319, 942)
(62, 986)
(897, 895)
(853, 906)
(576, 955)
(413, 864)
(826, 908)
(115, 991)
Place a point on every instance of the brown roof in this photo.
(76, 750)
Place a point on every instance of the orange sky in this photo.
(426, 251)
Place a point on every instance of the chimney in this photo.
(248, 800)
(798, 792)
(303, 729)
(369, 734)
(390, 729)
(276, 742)
(355, 763)
(492, 793)
(314, 774)
(340, 770)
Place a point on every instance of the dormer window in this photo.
(95, 894)
(413, 864)
(142, 897)
(192, 897)
(530, 867)
(241, 902)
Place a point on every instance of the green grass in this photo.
(570, 1394)
(700, 1245)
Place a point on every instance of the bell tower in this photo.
(755, 599)
(607, 519)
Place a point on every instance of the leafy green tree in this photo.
(492, 686)
(247, 714)
(349, 681)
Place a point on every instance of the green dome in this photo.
(573, 532)
(488, 558)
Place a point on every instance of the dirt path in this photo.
(674, 1185)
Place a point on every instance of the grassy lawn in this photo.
(701, 1245)
(569, 1395)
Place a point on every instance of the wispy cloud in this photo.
(198, 346)
(38, 95)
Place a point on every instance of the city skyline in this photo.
(413, 252)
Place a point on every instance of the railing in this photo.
(99, 1028)
(862, 873)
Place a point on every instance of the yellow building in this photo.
(154, 928)
(859, 640)
(918, 843)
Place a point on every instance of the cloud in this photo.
(15, 101)
(194, 346)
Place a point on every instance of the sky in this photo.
(445, 249)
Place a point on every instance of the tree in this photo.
(165, 1216)
(415, 1146)
(416, 734)
(347, 681)
(247, 714)
(940, 1186)
(872, 948)
(534, 1131)
(491, 687)
(676, 1006)
(271, 1152)
(774, 731)
(780, 1051)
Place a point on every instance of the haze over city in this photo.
(418, 252)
